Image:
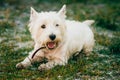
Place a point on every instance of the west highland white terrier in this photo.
(57, 37)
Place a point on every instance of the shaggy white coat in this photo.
(71, 37)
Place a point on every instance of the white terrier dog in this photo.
(60, 38)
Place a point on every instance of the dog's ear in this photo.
(62, 12)
(33, 14)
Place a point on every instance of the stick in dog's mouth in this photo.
(37, 51)
(49, 45)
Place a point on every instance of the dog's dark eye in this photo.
(57, 25)
(43, 26)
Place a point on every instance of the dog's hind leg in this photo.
(88, 47)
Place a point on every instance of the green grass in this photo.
(16, 42)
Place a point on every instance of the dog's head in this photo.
(48, 28)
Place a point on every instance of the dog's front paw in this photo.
(20, 66)
(42, 67)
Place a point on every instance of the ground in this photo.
(16, 42)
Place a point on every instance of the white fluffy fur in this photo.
(72, 36)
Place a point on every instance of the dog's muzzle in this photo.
(51, 45)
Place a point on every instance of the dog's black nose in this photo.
(52, 36)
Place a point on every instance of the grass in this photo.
(115, 46)
(16, 42)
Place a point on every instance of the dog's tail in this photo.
(88, 22)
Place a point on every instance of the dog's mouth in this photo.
(51, 45)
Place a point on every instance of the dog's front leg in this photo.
(59, 58)
(25, 63)
(29, 60)
(51, 64)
